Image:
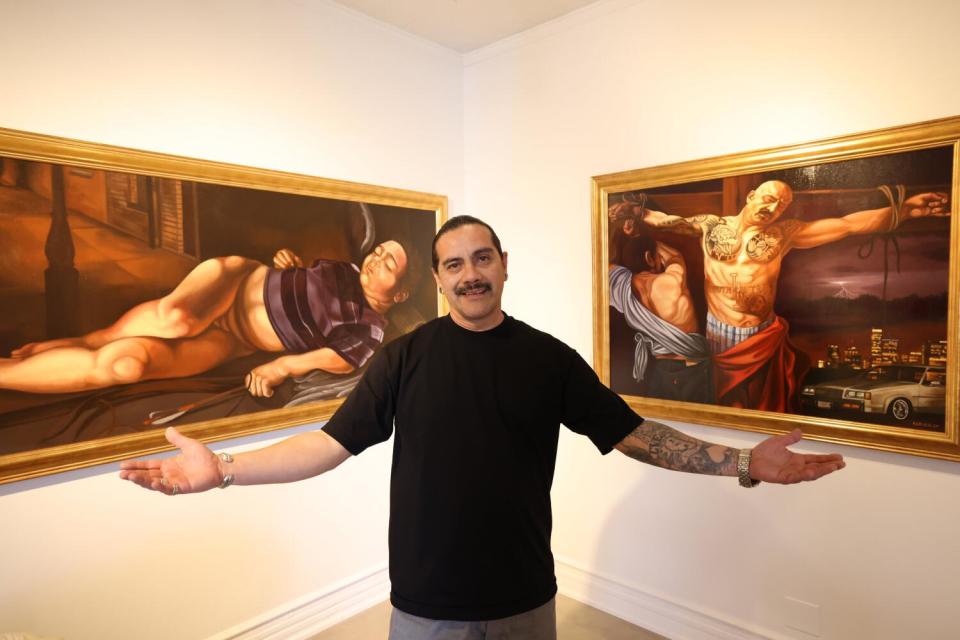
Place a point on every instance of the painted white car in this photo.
(898, 390)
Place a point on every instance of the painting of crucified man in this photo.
(798, 285)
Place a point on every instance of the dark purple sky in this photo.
(820, 272)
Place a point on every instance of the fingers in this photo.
(177, 439)
(140, 465)
(258, 386)
(816, 471)
(148, 479)
(285, 258)
(825, 457)
(783, 440)
(810, 471)
(281, 260)
(154, 480)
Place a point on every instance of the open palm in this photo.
(196, 468)
(773, 462)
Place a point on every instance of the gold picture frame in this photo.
(29, 160)
(834, 301)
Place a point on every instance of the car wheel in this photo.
(900, 409)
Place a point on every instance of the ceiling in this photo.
(465, 25)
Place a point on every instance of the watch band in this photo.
(227, 478)
(743, 469)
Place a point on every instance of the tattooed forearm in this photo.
(676, 224)
(658, 444)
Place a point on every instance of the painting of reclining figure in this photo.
(819, 290)
(134, 301)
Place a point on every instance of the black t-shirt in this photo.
(477, 419)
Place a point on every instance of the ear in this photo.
(401, 297)
(504, 265)
(650, 258)
(750, 195)
(436, 278)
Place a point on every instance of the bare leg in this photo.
(124, 361)
(201, 297)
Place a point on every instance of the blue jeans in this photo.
(536, 624)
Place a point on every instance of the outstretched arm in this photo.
(261, 380)
(818, 232)
(627, 215)
(663, 446)
(196, 468)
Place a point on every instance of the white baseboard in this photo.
(309, 615)
(646, 610)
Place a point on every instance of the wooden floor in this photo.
(575, 621)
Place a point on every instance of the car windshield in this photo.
(880, 374)
(935, 378)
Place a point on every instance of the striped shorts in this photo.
(722, 336)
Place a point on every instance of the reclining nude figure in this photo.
(329, 316)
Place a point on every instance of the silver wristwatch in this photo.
(743, 469)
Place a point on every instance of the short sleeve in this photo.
(355, 343)
(592, 409)
(366, 417)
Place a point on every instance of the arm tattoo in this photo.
(659, 445)
(683, 226)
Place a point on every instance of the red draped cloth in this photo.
(762, 372)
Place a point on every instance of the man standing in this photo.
(754, 362)
(475, 399)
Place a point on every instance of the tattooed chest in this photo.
(724, 243)
(765, 246)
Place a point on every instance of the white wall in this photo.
(299, 86)
(626, 84)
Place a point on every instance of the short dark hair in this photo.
(631, 251)
(455, 223)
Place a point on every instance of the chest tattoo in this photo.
(722, 242)
(765, 245)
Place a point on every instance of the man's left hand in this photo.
(773, 462)
(925, 204)
(261, 380)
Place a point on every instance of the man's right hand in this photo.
(625, 217)
(196, 468)
(286, 259)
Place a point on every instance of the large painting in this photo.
(140, 291)
(812, 286)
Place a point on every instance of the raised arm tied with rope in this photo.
(888, 237)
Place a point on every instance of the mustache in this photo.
(474, 287)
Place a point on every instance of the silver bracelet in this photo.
(743, 469)
(228, 478)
